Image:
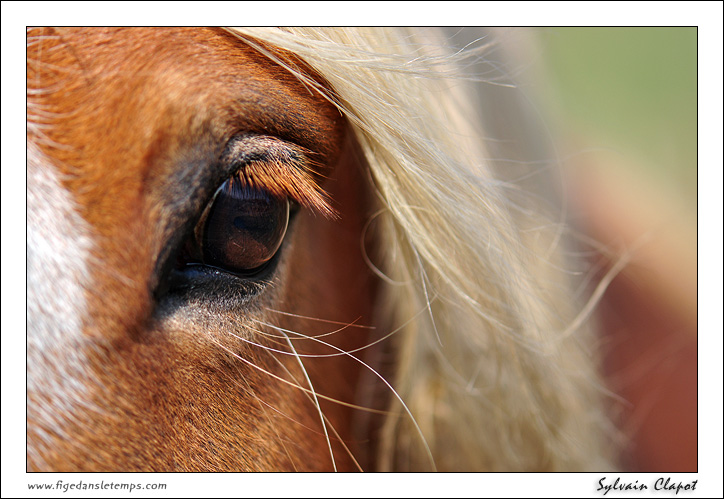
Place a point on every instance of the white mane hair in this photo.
(495, 359)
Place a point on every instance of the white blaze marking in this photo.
(58, 249)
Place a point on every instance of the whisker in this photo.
(322, 335)
(263, 405)
(368, 345)
(316, 402)
(394, 392)
(346, 324)
(331, 426)
(294, 385)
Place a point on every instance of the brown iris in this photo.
(242, 229)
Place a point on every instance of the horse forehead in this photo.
(125, 104)
(187, 74)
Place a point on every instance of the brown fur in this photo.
(171, 388)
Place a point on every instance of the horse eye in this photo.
(242, 228)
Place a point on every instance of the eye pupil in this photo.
(242, 224)
(244, 228)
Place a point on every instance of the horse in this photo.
(397, 291)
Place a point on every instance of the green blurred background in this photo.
(631, 89)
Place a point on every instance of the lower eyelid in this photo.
(204, 284)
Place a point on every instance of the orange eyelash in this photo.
(285, 171)
(285, 179)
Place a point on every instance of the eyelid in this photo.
(282, 169)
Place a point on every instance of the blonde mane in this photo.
(494, 361)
